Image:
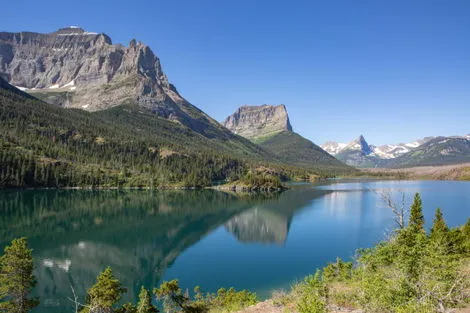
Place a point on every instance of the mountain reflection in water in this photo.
(213, 239)
(76, 234)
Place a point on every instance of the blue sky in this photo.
(392, 70)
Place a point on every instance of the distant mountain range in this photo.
(426, 151)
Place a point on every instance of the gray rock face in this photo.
(78, 69)
(254, 122)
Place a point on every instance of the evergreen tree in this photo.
(145, 302)
(439, 228)
(16, 278)
(104, 294)
(174, 300)
(416, 222)
(410, 242)
(466, 237)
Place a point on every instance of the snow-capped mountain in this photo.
(333, 147)
(389, 151)
(392, 151)
(359, 153)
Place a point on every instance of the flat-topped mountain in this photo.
(269, 126)
(74, 68)
(258, 122)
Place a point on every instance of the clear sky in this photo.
(393, 70)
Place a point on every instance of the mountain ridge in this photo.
(402, 154)
(74, 68)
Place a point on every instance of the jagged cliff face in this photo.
(78, 69)
(255, 122)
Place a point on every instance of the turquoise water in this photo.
(208, 238)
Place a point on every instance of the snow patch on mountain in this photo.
(333, 147)
(389, 151)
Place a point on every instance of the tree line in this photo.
(46, 146)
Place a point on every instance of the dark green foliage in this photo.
(413, 272)
(230, 300)
(439, 229)
(106, 292)
(416, 222)
(261, 181)
(127, 308)
(224, 301)
(175, 300)
(466, 236)
(294, 149)
(42, 145)
(312, 295)
(145, 302)
(338, 271)
(16, 278)
(46, 146)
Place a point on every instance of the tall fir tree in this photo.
(16, 278)
(416, 222)
(411, 241)
(104, 294)
(145, 302)
(439, 227)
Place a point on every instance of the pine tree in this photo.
(466, 237)
(145, 302)
(104, 294)
(416, 222)
(411, 241)
(16, 278)
(439, 227)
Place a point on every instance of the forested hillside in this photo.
(47, 146)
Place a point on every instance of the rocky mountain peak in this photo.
(75, 68)
(360, 144)
(255, 122)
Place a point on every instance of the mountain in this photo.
(333, 147)
(270, 128)
(392, 151)
(437, 151)
(357, 153)
(259, 122)
(43, 145)
(425, 151)
(75, 68)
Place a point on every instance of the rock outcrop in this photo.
(78, 69)
(255, 122)
(269, 127)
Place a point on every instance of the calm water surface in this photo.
(207, 238)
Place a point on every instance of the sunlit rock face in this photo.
(256, 122)
(75, 68)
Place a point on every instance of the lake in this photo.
(259, 242)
